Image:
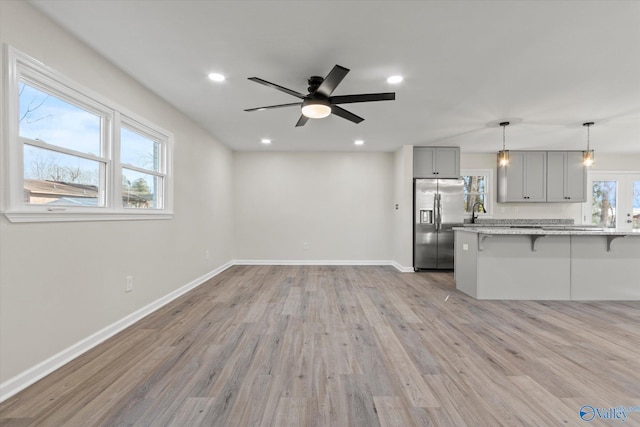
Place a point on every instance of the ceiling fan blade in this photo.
(365, 97)
(341, 112)
(302, 120)
(332, 80)
(278, 87)
(273, 106)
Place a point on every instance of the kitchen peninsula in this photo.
(547, 262)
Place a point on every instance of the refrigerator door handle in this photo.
(435, 212)
(438, 211)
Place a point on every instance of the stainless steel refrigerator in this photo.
(438, 207)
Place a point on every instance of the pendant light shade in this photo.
(503, 155)
(588, 155)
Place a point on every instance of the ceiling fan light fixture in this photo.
(319, 103)
(316, 108)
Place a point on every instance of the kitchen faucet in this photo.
(473, 211)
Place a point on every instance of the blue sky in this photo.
(47, 118)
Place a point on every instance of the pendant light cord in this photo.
(588, 126)
(504, 126)
(503, 138)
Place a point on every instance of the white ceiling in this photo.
(548, 66)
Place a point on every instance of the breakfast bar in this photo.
(547, 263)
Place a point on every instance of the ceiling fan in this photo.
(319, 103)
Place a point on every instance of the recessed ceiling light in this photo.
(216, 77)
(265, 141)
(358, 142)
(394, 79)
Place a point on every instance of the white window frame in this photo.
(624, 196)
(21, 67)
(148, 132)
(488, 200)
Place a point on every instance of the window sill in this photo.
(21, 217)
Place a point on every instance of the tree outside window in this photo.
(476, 189)
(603, 212)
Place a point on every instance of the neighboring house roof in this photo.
(69, 193)
(41, 187)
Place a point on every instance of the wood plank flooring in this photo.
(347, 346)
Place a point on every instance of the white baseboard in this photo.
(402, 268)
(44, 368)
(394, 264)
(306, 262)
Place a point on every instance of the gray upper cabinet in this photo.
(524, 179)
(436, 162)
(566, 177)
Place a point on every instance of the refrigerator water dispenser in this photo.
(426, 216)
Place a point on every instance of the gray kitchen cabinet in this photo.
(436, 162)
(566, 177)
(524, 179)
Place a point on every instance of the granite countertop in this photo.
(549, 231)
(509, 222)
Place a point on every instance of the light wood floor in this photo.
(347, 346)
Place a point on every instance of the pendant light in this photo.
(587, 156)
(503, 155)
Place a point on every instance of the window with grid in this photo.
(73, 155)
(477, 184)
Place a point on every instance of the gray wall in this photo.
(340, 204)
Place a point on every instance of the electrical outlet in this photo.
(207, 255)
(129, 284)
(465, 247)
(305, 246)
